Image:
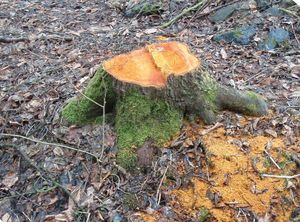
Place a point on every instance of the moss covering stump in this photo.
(149, 91)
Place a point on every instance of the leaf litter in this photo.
(212, 173)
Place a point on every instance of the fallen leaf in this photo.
(150, 31)
(271, 132)
(223, 54)
(6, 218)
(58, 151)
(10, 179)
(99, 29)
(139, 34)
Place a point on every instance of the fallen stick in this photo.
(217, 8)
(280, 176)
(13, 40)
(290, 12)
(216, 126)
(51, 144)
(185, 11)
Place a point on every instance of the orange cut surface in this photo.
(173, 58)
(151, 65)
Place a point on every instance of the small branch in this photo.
(195, 7)
(159, 186)
(85, 96)
(103, 113)
(217, 8)
(216, 126)
(273, 161)
(50, 144)
(290, 12)
(297, 40)
(103, 124)
(13, 40)
(280, 176)
(42, 190)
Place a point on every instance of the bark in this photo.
(198, 93)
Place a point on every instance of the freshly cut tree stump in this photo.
(150, 90)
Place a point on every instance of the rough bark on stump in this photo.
(145, 112)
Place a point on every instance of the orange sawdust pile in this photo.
(234, 176)
(151, 65)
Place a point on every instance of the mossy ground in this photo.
(84, 111)
(145, 8)
(140, 118)
(130, 201)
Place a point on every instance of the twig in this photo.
(26, 216)
(12, 40)
(216, 126)
(185, 11)
(254, 77)
(103, 123)
(85, 96)
(217, 8)
(44, 174)
(289, 12)
(297, 40)
(281, 176)
(160, 183)
(50, 144)
(103, 113)
(271, 158)
(195, 14)
(42, 190)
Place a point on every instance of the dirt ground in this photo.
(241, 169)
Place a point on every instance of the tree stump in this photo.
(149, 91)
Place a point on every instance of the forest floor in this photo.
(241, 169)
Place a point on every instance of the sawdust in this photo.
(235, 179)
(147, 217)
(236, 162)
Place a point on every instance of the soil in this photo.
(53, 171)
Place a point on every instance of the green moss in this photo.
(253, 95)
(209, 93)
(82, 110)
(130, 201)
(253, 106)
(127, 157)
(203, 215)
(285, 44)
(267, 163)
(273, 41)
(171, 175)
(210, 90)
(251, 109)
(140, 118)
(237, 33)
(152, 8)
(80, 214)
(147, 8)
